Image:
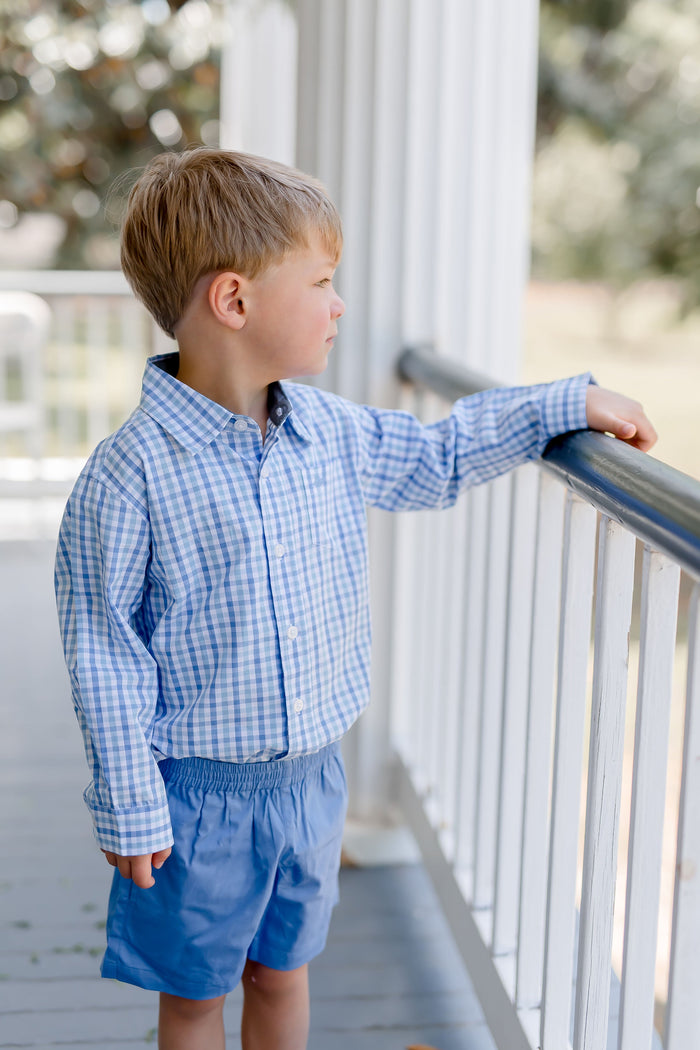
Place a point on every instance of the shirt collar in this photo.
(190, 417)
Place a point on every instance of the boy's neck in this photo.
(232, 391)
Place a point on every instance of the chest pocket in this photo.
(318, 483)
(319, 505)
(335, 508)
(299, 506)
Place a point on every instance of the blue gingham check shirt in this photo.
(212, 588)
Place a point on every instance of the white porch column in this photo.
(351, 132)
(258, 79)
(418, 115)
(488, 60)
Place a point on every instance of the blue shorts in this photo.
(253, 875)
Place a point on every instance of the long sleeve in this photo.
(102, 558)
(407, 466)
(213, 589)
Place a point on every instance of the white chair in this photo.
(24, 329)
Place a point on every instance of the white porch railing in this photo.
(90, 366)
(498, 694)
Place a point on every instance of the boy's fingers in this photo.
(645, 437)
(138, 869)
(618, 415)
(141, 872)
(159, 858)
(638, 431)
(621, 428)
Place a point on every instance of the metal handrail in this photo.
(658, 503)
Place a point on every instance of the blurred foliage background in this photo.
(617, 173)
(90, 89)
(616, 216)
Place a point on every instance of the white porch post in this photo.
(356, 144)
(258, 72)
(418, 115)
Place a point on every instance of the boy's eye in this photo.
(324, 282)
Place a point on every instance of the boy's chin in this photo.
(311, 370)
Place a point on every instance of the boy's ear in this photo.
(226, 299)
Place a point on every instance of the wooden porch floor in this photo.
(390, 977)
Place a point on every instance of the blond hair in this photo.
(209, 210)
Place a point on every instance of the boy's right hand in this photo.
(138, 868)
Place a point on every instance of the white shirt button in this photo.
(298, 706)
(264, 473)
(279, 550)
(292, 632)
(240, 424)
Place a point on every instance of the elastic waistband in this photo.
(210, 773)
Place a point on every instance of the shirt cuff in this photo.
(564, 405)
(131, 833)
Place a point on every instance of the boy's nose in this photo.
(338, 308)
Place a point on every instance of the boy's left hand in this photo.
(138, 868)
(620, 416)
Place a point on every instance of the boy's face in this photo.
(293, 312)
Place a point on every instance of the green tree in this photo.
(90, 90)
(617, 173)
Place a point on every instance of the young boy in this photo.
(212, 589)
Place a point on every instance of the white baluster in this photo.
(456, 604)
(615, 581)
(574, 640)
(659, 608)
(683, 1011)
(491, 700)
(96, 367)
(517, 669)
(546, 610)
(473, 642)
